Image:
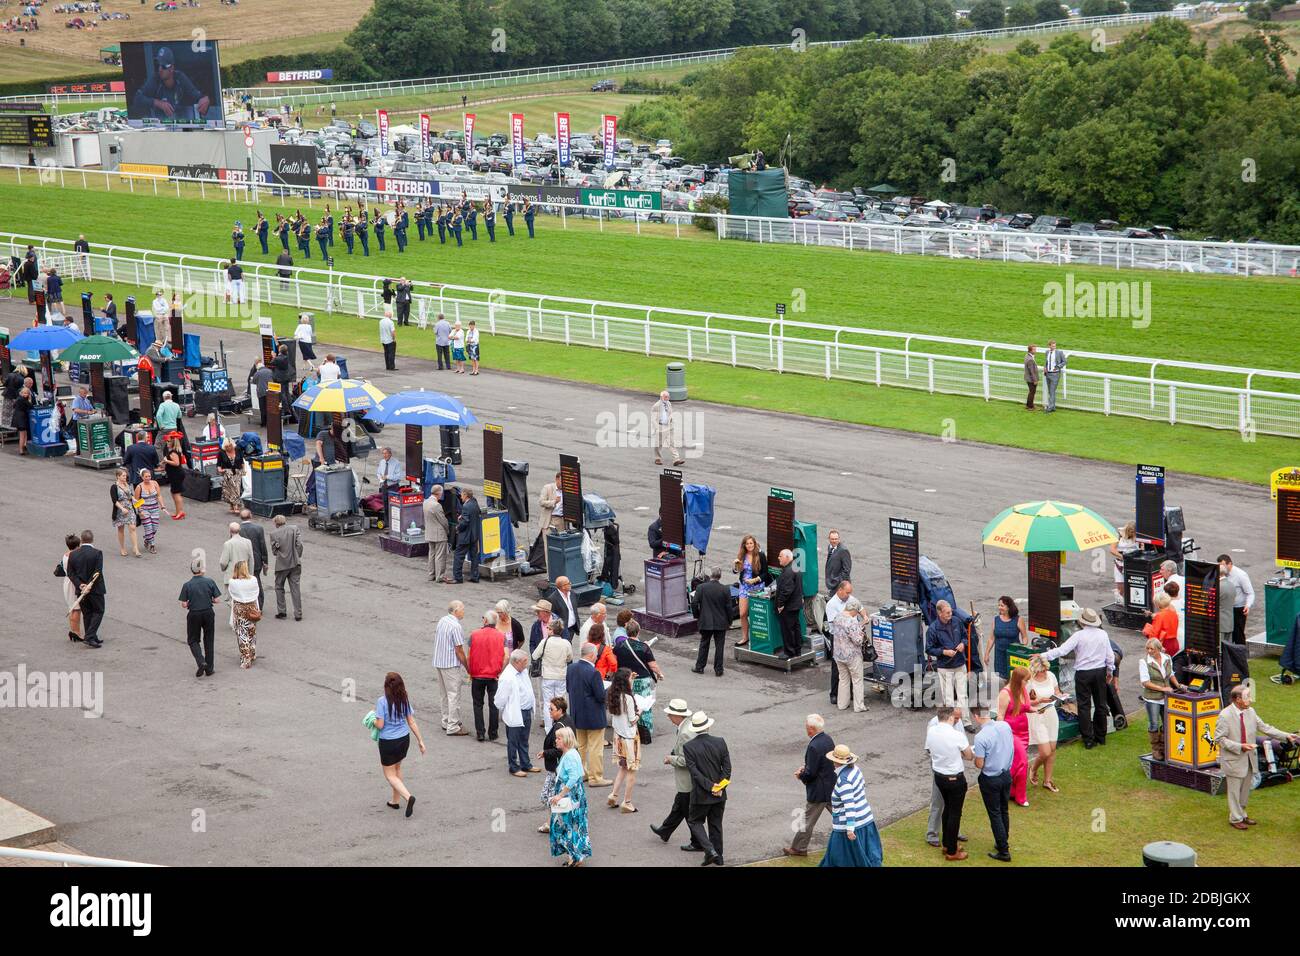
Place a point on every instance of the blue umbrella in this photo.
(45, 338)
(422, 408)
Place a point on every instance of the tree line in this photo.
(1154, 129)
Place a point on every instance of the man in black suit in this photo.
(86, 572)
(254, 532)
(709, 764)
(839, 563)
(818, 777)
(467, 538)
(789, 602)
(563, 606)
(713, 610)
(587, 709)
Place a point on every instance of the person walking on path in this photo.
(679, 715)
(709, 764)
(516, 702)
(855, 841)
(244, 613)
(661, 418)
(557, 718)
(286, 548)
(451, 663)
(586, 691)
(198, 597)
(394, 720)
(569, 835)
(818, 776)
(487, 656)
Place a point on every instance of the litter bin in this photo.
(1165, 853)
(676, 375)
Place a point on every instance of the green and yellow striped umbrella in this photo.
(1049, 526)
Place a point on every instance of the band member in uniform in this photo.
(237, 237)
(442, 224)
(349, 227)
(457, 221)
(262, 228)
(529, 213)
(490, 219)
(363, 231)
(282, 230)
(304, 236)
(381, 226)
(471, 220)
(510, 217)
(323, 237)
(420, 210)
(399, 228)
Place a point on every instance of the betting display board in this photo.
(780, 522)
(1288, 528)
(493, 449)
(571, 490)
(1201, 607)
(415, 453)
(904, 556)
(32, 130)
(670, 510)
(1045, 593)
(274, 421)
(1150, 504)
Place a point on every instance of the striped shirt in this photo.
(450, 635)
(849, 807)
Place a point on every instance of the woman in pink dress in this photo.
(1013, 707)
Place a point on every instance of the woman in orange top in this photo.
(606, 662)
(1164, 624)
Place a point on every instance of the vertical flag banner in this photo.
(469, 134)
(424, 136)
(562, 139)
(517, 137)
(609, 138)
(382, 123)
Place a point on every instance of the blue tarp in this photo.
(144, 331)
(193, 356)
(699, 516)
(596, 512)
(507, 535)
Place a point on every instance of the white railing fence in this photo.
(1098, 382)
(65, 859)
(963, 242)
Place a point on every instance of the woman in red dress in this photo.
(1013, 707)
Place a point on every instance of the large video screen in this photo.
(171, 83)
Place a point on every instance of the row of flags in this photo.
(608, 135)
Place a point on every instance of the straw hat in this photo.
(542, 606)
(1089, 618)
(701, 722)
(842, 756)
(677, 708)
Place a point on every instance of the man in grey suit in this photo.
(1031, 376)
(254, 532)
(839, 563)
(1053, 367)
(286, 546)
(679, 714)
(1235, 734)
(436, 530)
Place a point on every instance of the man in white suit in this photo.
(1235, 734)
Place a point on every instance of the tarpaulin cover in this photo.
(699, 516)
(144, 331)
(758, 194)
(193, 356)
(506, 532)
(596, 512)
(514, 486)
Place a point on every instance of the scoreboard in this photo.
(904, 557)
(1045, 593)
(1288, 528)
(1201, 608)
(780, 522)
(31, 130)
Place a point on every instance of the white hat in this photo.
(701, 722)
(677, 708)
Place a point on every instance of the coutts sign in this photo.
(293, 165)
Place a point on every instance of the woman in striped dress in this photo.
(150, 497)
(855, 841)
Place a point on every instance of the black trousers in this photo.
(477, 687)
(458, 562)
(1239, 625)
(702, 657)
(92, 612)
(835, 675)
(1090, 694)
(680, 811)
(390, 355)
(953, 791)
(996, 792)
(404, 313)
(790, 632)
(201, 625)
(444, 356)
(705, 823)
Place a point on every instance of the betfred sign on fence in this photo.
(293, 165)
(299, 76)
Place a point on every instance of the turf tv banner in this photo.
(563, 156)
(424, 136)
(293, 165)
(620, 198)
(468, 120)
(381, 117)
(517, 138)
(609, 138)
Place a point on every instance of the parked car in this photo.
(603, 86)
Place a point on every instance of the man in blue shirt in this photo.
(442, 341)
(994, 748)
(82, 406)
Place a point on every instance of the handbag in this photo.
(255, 614)
(535, 666)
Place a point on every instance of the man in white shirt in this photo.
(661, 419)
(388, 339)
(452, 665)
(1094, 668)
(597, 615)
(1053, 366)
(329, 370)
(949, 750)
(833, 609)
(388, 472)
(515, 703)
(305, 336)
(561, 598)
(161, 317)
(1245, 596)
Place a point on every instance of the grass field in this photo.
(1107, 809)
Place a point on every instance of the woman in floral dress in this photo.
(569, 829)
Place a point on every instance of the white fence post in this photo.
(1173, 404)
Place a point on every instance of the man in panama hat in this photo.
(679, 714)
(709, 764)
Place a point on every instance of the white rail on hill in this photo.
(1096, 382)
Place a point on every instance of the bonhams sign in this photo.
(293, 165)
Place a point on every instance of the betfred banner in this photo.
(381, 117)
(293, 165)
(239, 177)
(609, 138)
(424, 136)
(517, 138)
(298, 76)
(562, 153)
(469, 134)
(405, 187)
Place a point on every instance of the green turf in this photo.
(1197, 318)
(1107, 809)
(1180, 448)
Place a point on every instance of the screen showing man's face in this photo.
(167, 74)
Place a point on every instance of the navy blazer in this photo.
(818, 774)
(586, 696)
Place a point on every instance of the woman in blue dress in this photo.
(855, 841)
(569, 829)
(1008, 628)
(751, 566)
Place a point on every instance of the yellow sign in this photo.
(1189, 730)
(146, 170)
(492, 534)
(1283, 478)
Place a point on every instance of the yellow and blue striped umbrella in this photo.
(342, 395)
(1049, 526)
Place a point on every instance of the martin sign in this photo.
(293, 165)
